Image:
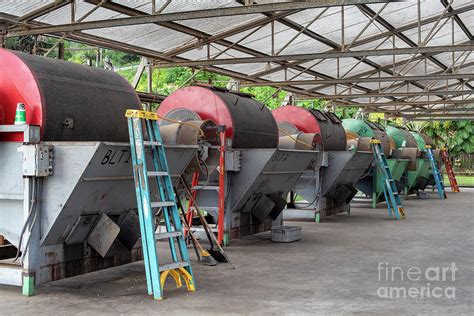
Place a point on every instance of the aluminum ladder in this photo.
(390, 191)
(436, 173)
(180, 267)
(449, 170)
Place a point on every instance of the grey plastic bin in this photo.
(286, 233)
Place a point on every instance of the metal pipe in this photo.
(411, 103)
(326, 55)
(359, 80)
(191, 15)
(221, 199)
(396, 94)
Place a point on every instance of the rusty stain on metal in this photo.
(90, 264)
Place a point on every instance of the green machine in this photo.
(408, 146)
(419, 179)
(362, 132)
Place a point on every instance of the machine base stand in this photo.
(226, 241)
(28, 287)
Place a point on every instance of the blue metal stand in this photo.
(178, 269)
(436, 173)
(390, 191)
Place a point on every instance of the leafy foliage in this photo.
(270, 96)
(457, 136)
(29, 44)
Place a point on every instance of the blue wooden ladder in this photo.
(390, 191)
(179, 268)
(436, 173)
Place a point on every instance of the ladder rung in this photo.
(168, 235)
(206, 187)
(209, 208)
(173, 265)
(157, 173)
(162, 204)
(148, 143)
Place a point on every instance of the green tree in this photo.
(269, 96)
(457, 136)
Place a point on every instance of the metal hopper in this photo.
(258, 183)
(328, 184)
(371, 184)
(419, 179)
(372, 187)
(84, 195)
(337, 184)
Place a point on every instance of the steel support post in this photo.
(3, 34)
(31, 237)
(319, 202)
(221, 197)
(139, 72)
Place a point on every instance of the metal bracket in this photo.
(37, 160)
(31, 133)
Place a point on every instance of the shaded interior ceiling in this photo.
(411, 59)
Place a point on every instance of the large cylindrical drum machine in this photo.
(405, 145)
(249, 124)
(365, 130)
(331, 188)
(258, 174)
(373, 183)
(66, 158)
(293, 119)
(68, 101)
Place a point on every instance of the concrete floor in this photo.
(332, 270)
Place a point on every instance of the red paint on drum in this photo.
(300, 117)
(18, 85)
(248, 122)
(201, 101)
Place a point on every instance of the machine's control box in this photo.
(37, 160)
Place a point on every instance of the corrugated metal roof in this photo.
(298, 33)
